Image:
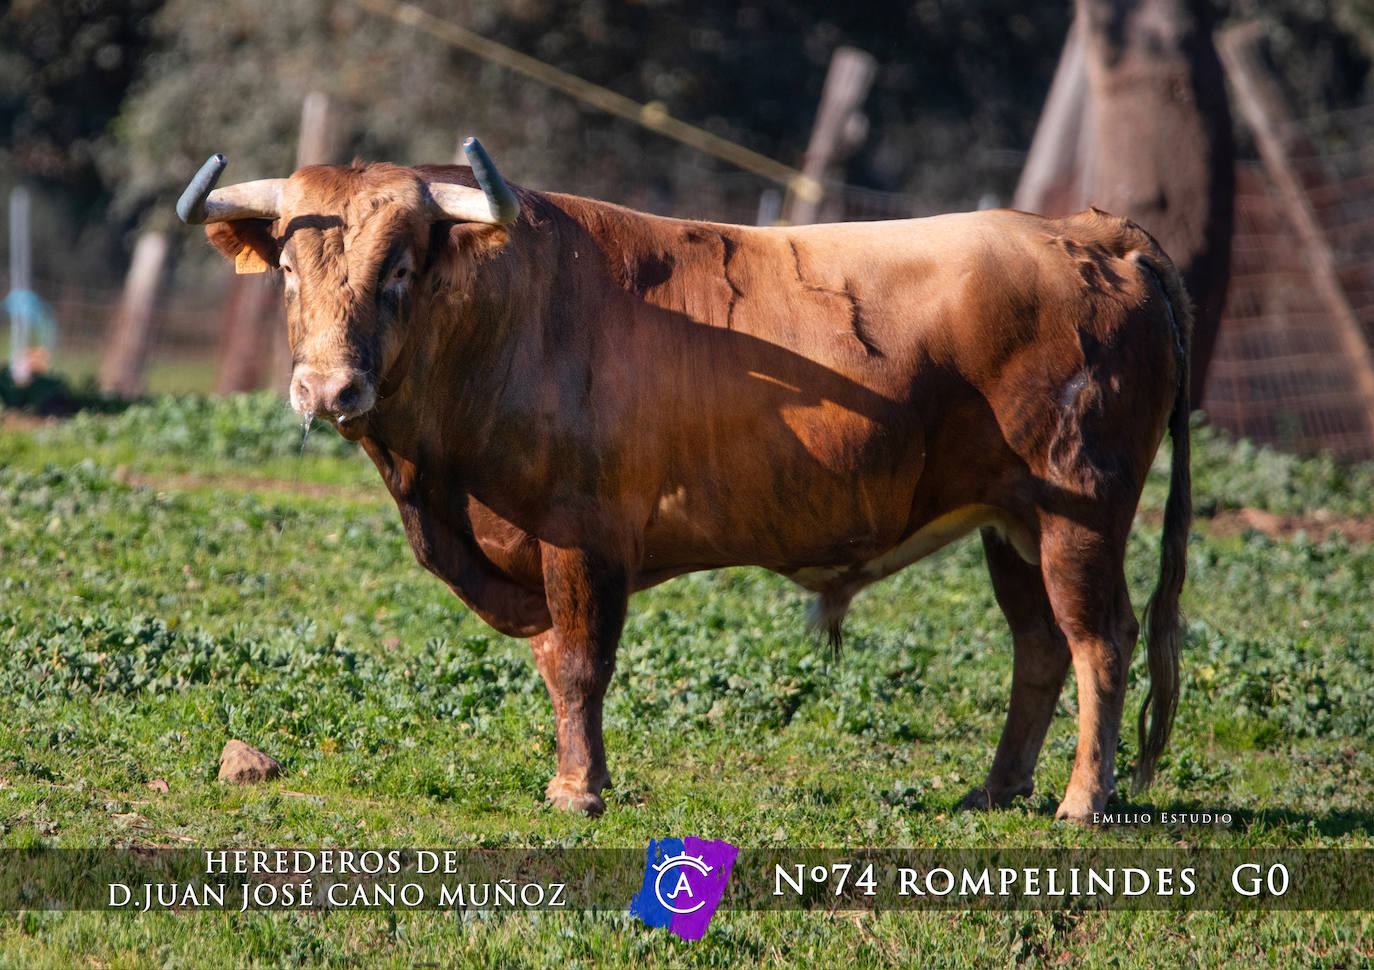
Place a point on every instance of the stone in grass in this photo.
(241, 764)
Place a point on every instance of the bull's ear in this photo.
(474, 239)
(248, 242)
(456, 247)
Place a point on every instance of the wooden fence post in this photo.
(1055, 172)
(840, 126)
(126, 348)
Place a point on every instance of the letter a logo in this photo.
(684, 880)
(684, 885)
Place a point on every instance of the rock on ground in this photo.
(242, 764)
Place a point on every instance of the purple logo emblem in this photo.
(684, 880)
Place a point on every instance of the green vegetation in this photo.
(167, 587)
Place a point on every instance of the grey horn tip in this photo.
(505, 207)
(191, 205)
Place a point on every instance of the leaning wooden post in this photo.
(840, 126)
(1053, 177)
(1262, 105)
(126, 347)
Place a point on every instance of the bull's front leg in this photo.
(587, 597)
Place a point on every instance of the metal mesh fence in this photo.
(1279, 375)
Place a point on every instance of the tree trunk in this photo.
(1052, 179)
(126, 347)
(1157, 145)
(252, 319)
(1163, 152)
(840, 128)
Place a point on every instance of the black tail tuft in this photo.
(1164, 628)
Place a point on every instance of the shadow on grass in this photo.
(51, 395)
(1332, 824)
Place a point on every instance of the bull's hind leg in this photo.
(587, 599)
(1041, 660)
(1085, 580)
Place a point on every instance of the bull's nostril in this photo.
(347, 398)
(302, 397)
(308, 391)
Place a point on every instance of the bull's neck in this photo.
(465, 376)
(508, 369)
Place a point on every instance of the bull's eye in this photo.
(400, 273)
(286, 269)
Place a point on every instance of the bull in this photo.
(571, 401)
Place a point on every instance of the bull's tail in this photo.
(1164, 628)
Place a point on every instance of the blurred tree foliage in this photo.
(1357, 16)
(1320, 48)
(63, 72)
(230, 76)
(65, 67)
(110, 105)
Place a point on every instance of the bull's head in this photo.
(349, 243)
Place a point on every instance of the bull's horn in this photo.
(495, 203)
(247, 200)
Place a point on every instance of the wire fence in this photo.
(1279, 374)
(184, 325)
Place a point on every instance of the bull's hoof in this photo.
(977, 800)
(984, 798)
(1081, 809)
(570, 798)
(1076, 816)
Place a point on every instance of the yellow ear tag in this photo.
(248, 261)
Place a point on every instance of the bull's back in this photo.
(863, 381)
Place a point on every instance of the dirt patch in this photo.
(1319, 525)
(23, 421)
(243, 483)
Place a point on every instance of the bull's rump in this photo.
(874, 390)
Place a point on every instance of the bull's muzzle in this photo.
(339, 396)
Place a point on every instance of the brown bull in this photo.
(570, 401)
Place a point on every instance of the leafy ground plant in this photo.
(176, 575)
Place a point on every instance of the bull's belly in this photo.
(849, 578)
(845, 566)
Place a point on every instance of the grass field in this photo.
(175, 576)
